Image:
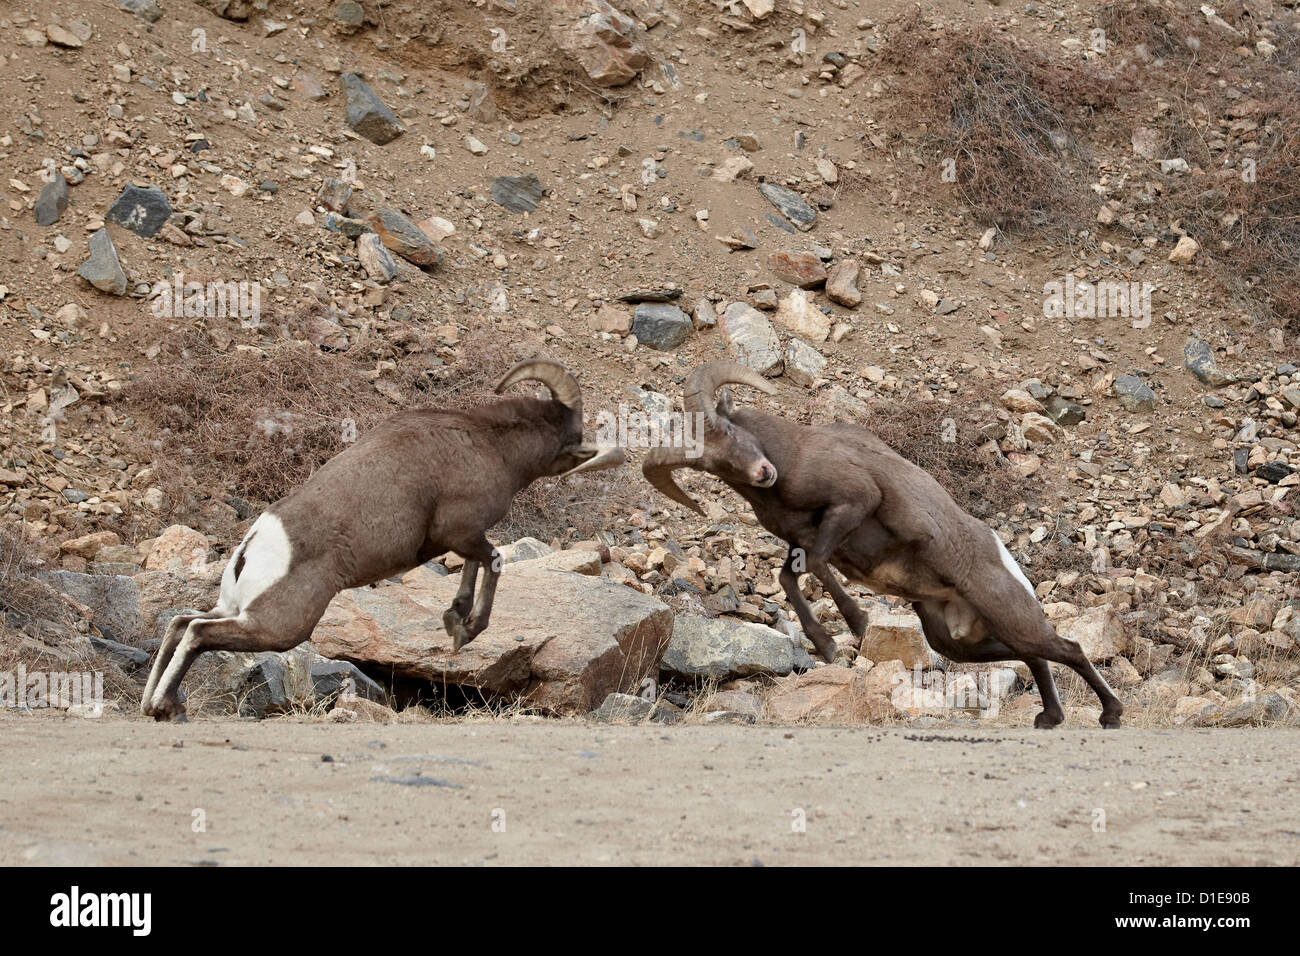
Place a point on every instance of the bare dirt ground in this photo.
(128, 792)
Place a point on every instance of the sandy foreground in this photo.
(123, 792)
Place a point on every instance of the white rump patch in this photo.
(1009, 563)
(266, 553)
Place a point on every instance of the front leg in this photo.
(464, 623)
(453, 619)
(789, 579)
(837, 524)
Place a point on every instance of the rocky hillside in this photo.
(1046, 250)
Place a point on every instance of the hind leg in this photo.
(162, 657)
(210, 634)
(1052, 713)
(990, 649)
(1009, 610)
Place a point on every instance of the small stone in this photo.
(403, 236)
(517, 193)
(64, 38)
(752, 338)
(791, 204)
(660, 326)
(799, 314)
(1064, 412)
(841, 284)
(53, 201)
(103, 269)
(142, 209)
(366, 112)
(1185, 250)
(803, 363)
(1198, 358)
(1134, 394)
(798, 268)
(335, 195)
(375, 259)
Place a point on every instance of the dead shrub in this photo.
(999, 114)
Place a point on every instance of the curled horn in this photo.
(658, 468)
(708, 378)
(563, 386)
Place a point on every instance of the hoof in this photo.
(1110, 721)
(171, 712)
(1046, 721)
(456, 629)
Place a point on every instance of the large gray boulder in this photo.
(560, 641)
(724, 649)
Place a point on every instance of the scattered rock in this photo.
(724, 649)
(404, 237)
(798, 268)
(1134, 394)
(103, 269)
(366, 112)
(142, 209)
(661, 326)
(1198, 358)
(517, 193)
(752, 338)
(841, 284)
(53, 201)
(792, 205)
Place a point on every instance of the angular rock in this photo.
(335, 195)
(661, 326)
(404, 237)
(1198, 358)
(1098, 630)
(1064, 412)
(803, 363)
(146, 10)
(608, 45)
(517, 193)
(1185, 250)
(798, 268)
(367, 113)
(752, 338)
(375, 259)
(332, 679)
(562, 641)
(841, 284)
(1134, 394)
(791, 204)
(112, 599)
(836, 695)
(103, 269)
(177, 543)
(895, 634)
(53, 201)
(623, 709)
(142, 209)
(724, 649)
(799, 313)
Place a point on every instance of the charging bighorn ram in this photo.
(842, 498)
(421, 483)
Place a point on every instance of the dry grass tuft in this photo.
(1000, 114)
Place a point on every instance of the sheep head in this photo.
(574, 455)
(728, 452)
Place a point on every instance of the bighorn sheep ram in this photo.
(422, 483)
(844, 499)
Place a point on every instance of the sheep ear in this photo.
(726, 403)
